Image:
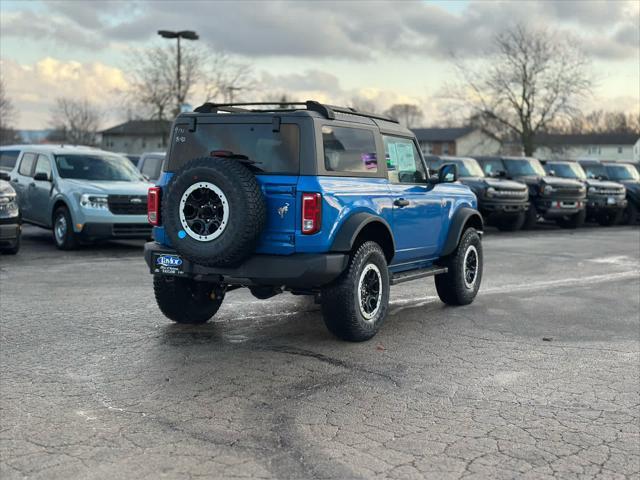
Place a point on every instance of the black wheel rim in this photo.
(204, 211)
(470, 267)
(370, 292)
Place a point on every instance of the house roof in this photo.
(441, 134)
(140, 128)
(553, 139)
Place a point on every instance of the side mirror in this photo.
(5, 176)
(448, 173)
(41, 177)
(552, 173)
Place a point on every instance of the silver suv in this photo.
(81, 193)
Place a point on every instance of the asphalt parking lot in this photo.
(539, 378)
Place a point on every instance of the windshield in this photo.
(567, 170)
(468, 168)
(595, 170)
(622, 172)
(524, 167)
(97, 167)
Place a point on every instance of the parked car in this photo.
(81, 193)
(296, 199)
(550, 198)
(503, 203)
(8, 156)
(623, 173)
(10, 222)
(606, 200)
(150, 165)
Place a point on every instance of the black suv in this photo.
(605, 200)
(551, 198)
(623, 173)
(503, 203)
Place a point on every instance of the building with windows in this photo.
(587, 146)
(137, 136)
(460, 141)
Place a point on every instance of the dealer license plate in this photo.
(611, 201)
(167, 264)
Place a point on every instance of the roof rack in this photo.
(327, 111)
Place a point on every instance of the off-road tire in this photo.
(530, 217)
(246, 205)
(341, 310)
(511, 223)
(608, 219)
(631, 214)
(184, 300)
(12, 249)
(451, 286)
(69, 240)
(576, 220)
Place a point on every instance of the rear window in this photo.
(271, 152)
(349, 150)
(8, 159)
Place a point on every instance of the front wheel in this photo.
(12, 249)
(607, 219)
(573, 221)
(355, 306)
(631, 214)
(459, 286)
(531, 217)
(186, 301)
(511, 223)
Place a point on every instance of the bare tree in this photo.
(8, 116)
(364, 105)
(153, 79)
(600, 121)
(530, 80)
(75, 121)
(407, 114)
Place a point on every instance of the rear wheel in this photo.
(354, 306)
(459, 286)
(63, 234)
(573, 221)
(511, 223)
(184, 300)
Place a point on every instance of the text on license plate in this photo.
(167, 264)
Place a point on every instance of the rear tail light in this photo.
(311, 213)
(153, 206)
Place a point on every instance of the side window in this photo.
(403, 161)
(492, 166)
(26, 164)
(349, 149)
(43, 166)
(151, 167)
(8, 159)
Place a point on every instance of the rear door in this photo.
(417, 206)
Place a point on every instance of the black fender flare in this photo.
(456, 227)
(352, 226)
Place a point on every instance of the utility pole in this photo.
(187, 35)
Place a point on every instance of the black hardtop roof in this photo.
(310, 108)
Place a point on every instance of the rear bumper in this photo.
(95, 231)
(300, 270)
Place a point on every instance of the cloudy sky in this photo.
(334, 51)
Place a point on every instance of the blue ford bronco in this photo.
(298, 198)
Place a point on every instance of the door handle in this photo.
(401, 202)
(32, 184)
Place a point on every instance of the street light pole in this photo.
(188, 35)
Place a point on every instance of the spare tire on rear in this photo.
(214, 211)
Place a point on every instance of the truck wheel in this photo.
(63, 234)
(14, 248)
(214, 211)
(511, 223)
(355, 306)
(531, 217)
(459, 286)
(630, 214)
(607, 219)
(573, 221)
(186, 301)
